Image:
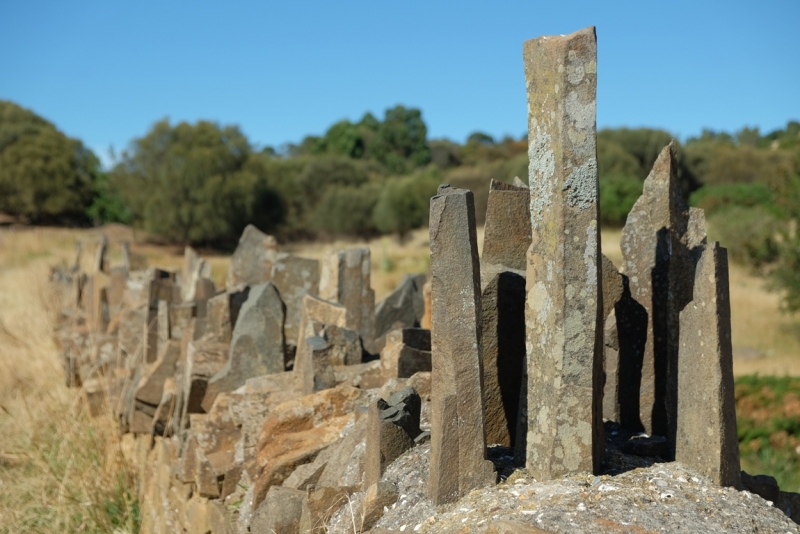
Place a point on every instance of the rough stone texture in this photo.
(152, 382)
(251, 263)
(205, 357)
(563, 315)
(458, 437)
(257, 345)
(391, 429)
(403, 308)
(706, 437)
(96, 299)
(160, 289)
(324, 377)
(407, 351)
(222, 312)
(344, 461)
(318, 505)
(614, 284)
(280, 512)
(503, 326)
(426, 297)
(658, 244)
(295, 277)
(345, 345)
(130, 333)
(507, 232)
(195, 274)
(379, 496)
(295, 431)
(100, 264)
(316, 314)
(366, 375)
(346, 279)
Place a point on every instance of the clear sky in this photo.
(105, 71)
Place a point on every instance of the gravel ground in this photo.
(637, 495)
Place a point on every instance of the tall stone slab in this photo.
(507, 232)
(251, 263)
(160, 291)
(101, 255)
(706, 427)
(564, 301)
(659, 243)
(403, 308)
(458, 436)
(345, 279)
(257, 343)
(222, 312)
(503, 331)
(295, 277)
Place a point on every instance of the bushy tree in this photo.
(346, 211)
(188, 182)
(618, 194)
(404, 203)
(44, 175)
(401, 140)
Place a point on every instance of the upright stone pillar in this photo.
(458, 435)
(563, 315)
(100, 255)
(507, 232)
(706, 426)
(346, 279)
(658, 241)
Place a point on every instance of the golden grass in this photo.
(60, 471)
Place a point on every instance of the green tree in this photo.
(188, 182)
(401, 140)
(346, 211)
(44, 175)
(404, 203)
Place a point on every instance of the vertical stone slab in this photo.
(458, 435)
(563, 315)
(316, 314)
(507, 232)
(706, 428)
(100, 255)
(159, 288)
(251, 263)
(126, 257)
(257, 343)
(346, 279)
(657, 242)
(503, 325)
(613, 284)
(403, 308)
(295, 277)
(222, 311)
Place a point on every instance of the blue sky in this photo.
(106, 71)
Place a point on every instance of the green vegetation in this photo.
(45, 176)
(768, 420)
(203, 183)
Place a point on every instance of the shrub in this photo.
(346, 211)
(618, 194)
(749, 234)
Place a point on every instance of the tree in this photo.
(404, 203)
(44, 175)
(188, 182)
(401, 142)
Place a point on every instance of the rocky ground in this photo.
(639, 497)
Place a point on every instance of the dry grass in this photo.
(60, 471)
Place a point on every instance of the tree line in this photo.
(202, 183)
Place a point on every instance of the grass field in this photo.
(61, 471)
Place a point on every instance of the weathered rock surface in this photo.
(563, 315)
(251, 263)
(503, 325)
(706, 402)
(257, 345)
(657, 244)
(345, 279)
(403, 308)
(458, 436)
(507, 232)
(295, 277)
